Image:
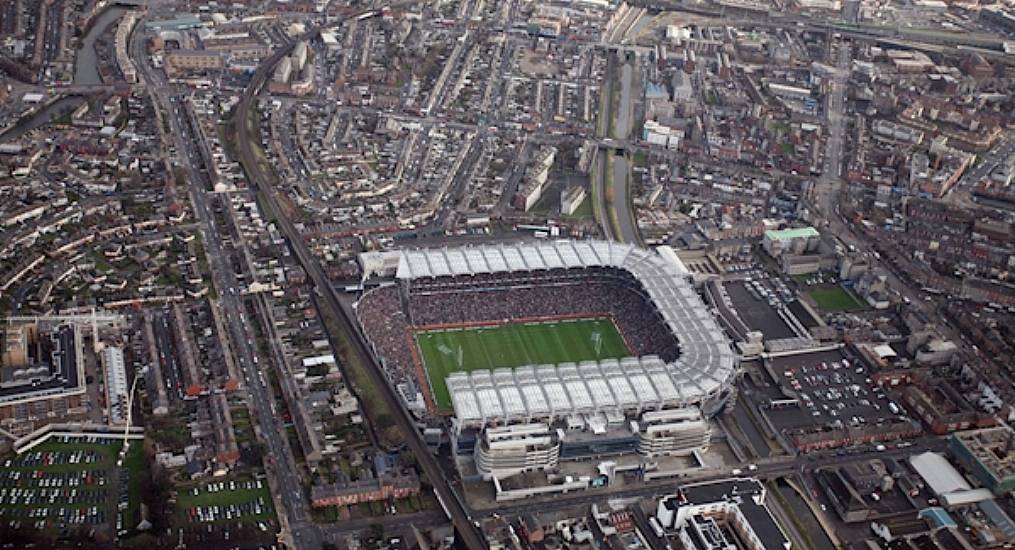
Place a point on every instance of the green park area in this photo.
(835, 299)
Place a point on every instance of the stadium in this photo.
(582, 333)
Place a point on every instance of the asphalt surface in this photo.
(622, 202)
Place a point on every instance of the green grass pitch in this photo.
(513, 345)
(835, 299)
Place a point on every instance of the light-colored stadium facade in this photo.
(704, 370)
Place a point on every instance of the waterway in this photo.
(86, 73)
(622, 130)
(621, 167)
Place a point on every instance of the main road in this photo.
(297, 528)
(262, 184)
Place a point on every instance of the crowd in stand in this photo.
(387, 313)
(386, 325)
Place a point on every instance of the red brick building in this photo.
(365, 490)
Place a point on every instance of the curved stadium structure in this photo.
(673, 353)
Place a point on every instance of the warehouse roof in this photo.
(787, 234)
(939, 474)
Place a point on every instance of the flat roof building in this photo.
(720, 514)
(989, 454)
(183, 22)
(508, 450)
(116, 384)
(798, 241)
(41, 377)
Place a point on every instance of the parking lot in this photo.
(831, 390)
(228, 501)
(758, 310)
(67, 482)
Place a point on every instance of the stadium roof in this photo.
(705, 367)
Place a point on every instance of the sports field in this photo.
(835, 299)
(513, 345)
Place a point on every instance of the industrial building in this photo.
(935, 400)
(989, 454)
(721, 514)
(41, 377)
(116, 385)
(870, 489)
(180, 62)
(536, 179)
(571, 199)
(656, 133)
(800, 251)
(183, 21)
(797, 241)
(945, 481)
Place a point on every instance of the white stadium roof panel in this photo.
(622, 391)
(418, 265)
(466, 405)
(550, 257)
(513, 258)
(476, 260)
(457, 262)
(533, 260)
(438, 263)
(587, 253)
(579, 394)
(601, 393)
(557, 396)
(489, 403)
(664, 386)
(535, 400)
(643, 388)
(569, 256)
(512, 400)
(495, 259)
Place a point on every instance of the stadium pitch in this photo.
(444, 351)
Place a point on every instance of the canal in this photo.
(86, 73)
